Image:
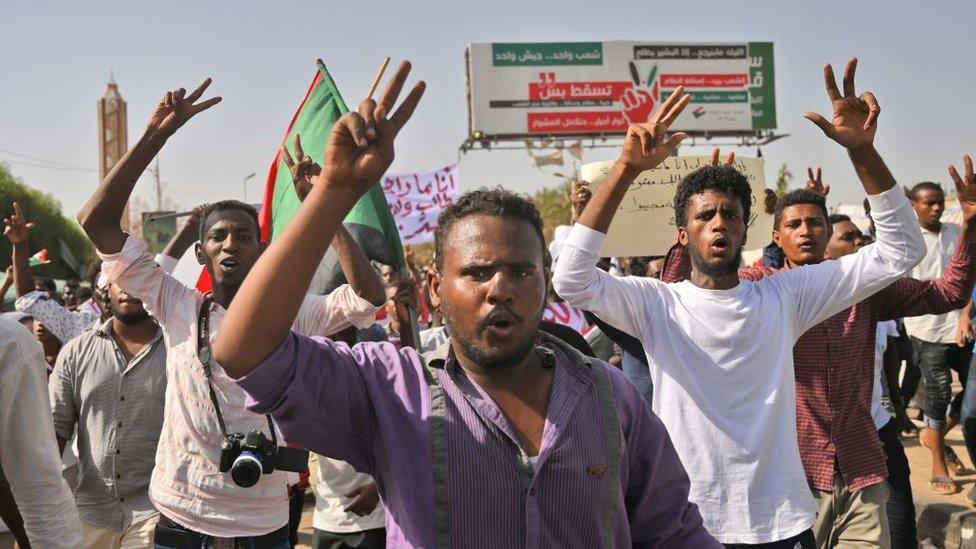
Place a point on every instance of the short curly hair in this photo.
(724, 179)
(795, 197)
(495, 202)
(224, 205)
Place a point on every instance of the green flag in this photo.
(370, 221)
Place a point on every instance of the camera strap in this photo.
(206, 358)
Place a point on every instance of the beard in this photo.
(724, 268)
(131, 318)
(489, 359)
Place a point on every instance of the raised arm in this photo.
(354, 263)
(359, 150)
(17, 230)
(645, 147)
(831, 286)
(102, 214)
(911, 297)
(186, 236)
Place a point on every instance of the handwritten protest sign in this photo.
(416, 199)
(644, 223)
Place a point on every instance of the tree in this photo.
(783, 178)
(554, 205)
(52, 227)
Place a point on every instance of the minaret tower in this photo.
(112, 134)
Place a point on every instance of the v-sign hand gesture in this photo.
(176, 108)
(645, 146)
(965, 188)
(360, 147)
(303, 169)
(855, 118)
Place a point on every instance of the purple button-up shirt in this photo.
(448, 463)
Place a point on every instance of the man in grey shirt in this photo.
(111, 382)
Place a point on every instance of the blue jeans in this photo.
(170, 535)
(639, 375)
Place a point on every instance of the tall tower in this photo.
(112, 134)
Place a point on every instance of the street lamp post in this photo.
(244, 185)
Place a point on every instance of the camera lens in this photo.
(246, 470)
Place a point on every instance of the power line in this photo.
(53, 164)
(48, 167)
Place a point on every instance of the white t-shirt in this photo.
(722, 365)
(939, 249)
(336, 479)
(186, 484)
(884, 331)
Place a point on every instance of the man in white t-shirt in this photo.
(198, 503)
(934, 336)
(348, 510)
(720, 350)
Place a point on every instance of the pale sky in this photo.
(56, 58)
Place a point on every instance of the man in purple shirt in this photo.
(503, 437)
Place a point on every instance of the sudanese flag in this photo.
(369, 222)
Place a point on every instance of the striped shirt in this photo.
(186, 484)
(117, 405)
(449, 466)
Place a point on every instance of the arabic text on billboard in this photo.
(519, 89)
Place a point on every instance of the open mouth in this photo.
(229, 265)
(500, 323)
(806, 246)
(719, 246)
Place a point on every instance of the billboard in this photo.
(593, 88)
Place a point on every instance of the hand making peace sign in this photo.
(360, 147)
(176, 108)
(645, 146)
(855, 118)
(304, 171)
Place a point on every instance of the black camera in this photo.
(249, 456)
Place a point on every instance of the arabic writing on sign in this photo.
(566, 53)
(416, 199)
(686, 51)
(644, 224)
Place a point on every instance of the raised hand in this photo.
(816, 184)
(360, 147)
(579, 197)
(729, 160)
(646, 145)
(176, 108)
(16, 227)
(855, 118)
(965, 188)
(304, 171)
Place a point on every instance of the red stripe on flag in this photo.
(264, 216)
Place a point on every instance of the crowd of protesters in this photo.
(542, 397)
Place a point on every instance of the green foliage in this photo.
(50, 227)
(783, 178)
(554, 205)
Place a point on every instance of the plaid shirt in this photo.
(834, 367)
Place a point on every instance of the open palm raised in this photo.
(360, 147)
